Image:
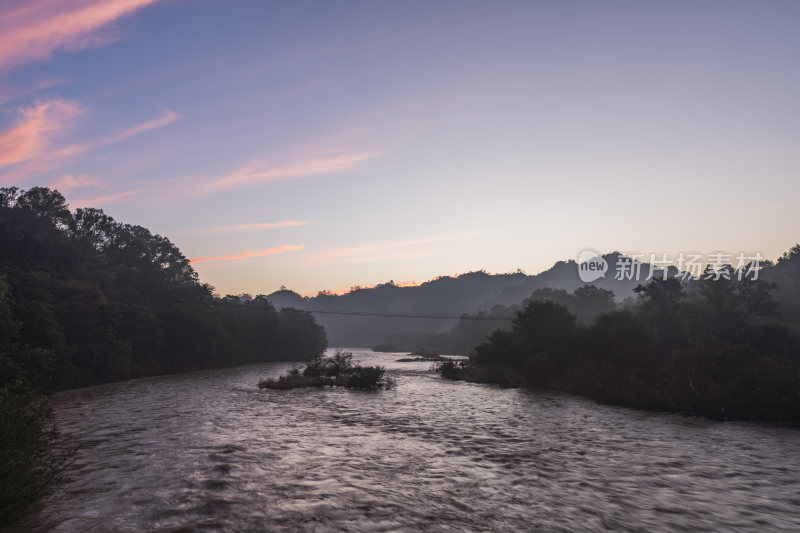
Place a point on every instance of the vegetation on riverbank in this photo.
(85, 300)
(715, 348)
(105, 301)
(29, 468)
(338, 370)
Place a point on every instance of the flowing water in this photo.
(209, 451)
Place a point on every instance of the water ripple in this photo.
(209, 452)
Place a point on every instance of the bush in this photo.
(28, 466)
(366, 378)
(450, 369)
(294, 380)
(339, 363)
(337, 370)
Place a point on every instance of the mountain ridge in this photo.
(452, 296)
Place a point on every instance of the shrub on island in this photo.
(338, 370)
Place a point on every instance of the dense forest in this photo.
(724, 348)
(85, 299)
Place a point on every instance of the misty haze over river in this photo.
(209, 451)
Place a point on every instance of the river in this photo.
(209, 451)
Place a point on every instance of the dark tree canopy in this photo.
(716, 347)
(86, 299)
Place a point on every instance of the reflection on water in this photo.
(210, 452)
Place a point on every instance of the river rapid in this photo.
(209, 451)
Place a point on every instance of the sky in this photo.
(322, 145)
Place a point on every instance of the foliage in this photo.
(786, 274)
(337, 370)
(713, 348)
(340, 363)
(100, 300)
(450, 369)
(365, 378)
(28, 466)
(294, 380)
(84, 300)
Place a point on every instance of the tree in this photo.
(662, 307)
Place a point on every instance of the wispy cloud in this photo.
(67, 182)
(311, 164)
(13, 92)
(167, 117)
(247, 254)
(31, 144)
(251, 227)
(106, 199)
(35, 30)
(36, 129)
(387, 251)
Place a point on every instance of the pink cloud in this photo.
(30, 143)
(69, 181)
(310, 165)
(247, 255)
(107, 199)
(35, 130)
(14, 92)
(167, 117)
(37, 29)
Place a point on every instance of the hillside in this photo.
(450, 296)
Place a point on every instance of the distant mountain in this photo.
(622, 276)
(450, 296)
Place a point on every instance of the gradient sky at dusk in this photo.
(320, 145)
